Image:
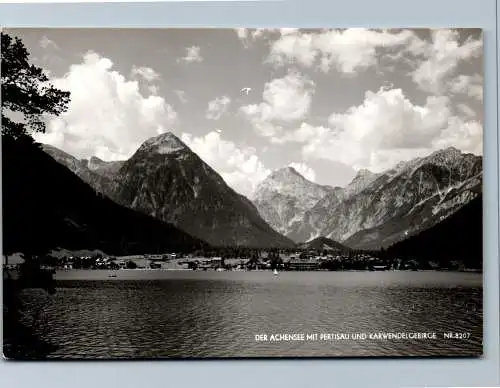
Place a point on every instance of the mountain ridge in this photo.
(374, 209)
(67, 213)
(166, 180)
(284, 196)
(458, 237)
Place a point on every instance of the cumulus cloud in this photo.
(285, 100)
(470, 85)
(462, 134)
(466, 110)
(386, 129)
(192, 55)
(348, 50)
(108, 116)
(441, 58)
(304, 134)
(242, 33)
(240, 167)
(249, 35)
(304, 170)
(153, 89)
(181, 95)
(46, 43)
(146, 73)
(352, 50)
(217, 107)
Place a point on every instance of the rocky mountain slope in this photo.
(100, 182)
(283, 198)
(103, 168)
(457, 238)
(165, 179)
(362, 180)
(377, 210)
(374, 210)
(168, 181)
(46, 206)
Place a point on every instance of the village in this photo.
(255, 260)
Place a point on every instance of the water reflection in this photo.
(166, 314)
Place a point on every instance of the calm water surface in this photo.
(151, 314)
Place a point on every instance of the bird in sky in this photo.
(246, 90)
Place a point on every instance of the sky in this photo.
(327, 102)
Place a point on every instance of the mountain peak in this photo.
(165, 143)
(284, 173)
(96, 160)
(447, 151)
(363, 179)
(93, 163)
(364, 172)
(363, 175)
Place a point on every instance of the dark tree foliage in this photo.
(457, 238)
(131, 265)
(26, 90)
(50, 207)
(26, 94)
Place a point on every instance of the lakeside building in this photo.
(303, 265)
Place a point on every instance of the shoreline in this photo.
(159, 274)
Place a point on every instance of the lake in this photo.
(197, 314)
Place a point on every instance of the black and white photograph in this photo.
(217, 193)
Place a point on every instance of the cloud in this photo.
(192, 55)
(244, 36)
(466, 110)
(242, 33)
(352, 50)
(45, 43)
(240, 167)
(441, 58)
(386, 129)
(217, 107)
(471, 86)
(153, 89)
(304, 170)
(108, 116)
(249, 35)
(181, 95)
(285, 100)
(464, 135)
(145, 73)
(347, 51)
(304, 134)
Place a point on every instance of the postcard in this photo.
(188, 193)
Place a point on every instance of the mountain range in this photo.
(457, 238)
(166, 180)
(284, 197)
(374, 210)
(47, 207)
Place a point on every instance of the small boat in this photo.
(275, 272)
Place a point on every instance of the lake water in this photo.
(184, 314)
